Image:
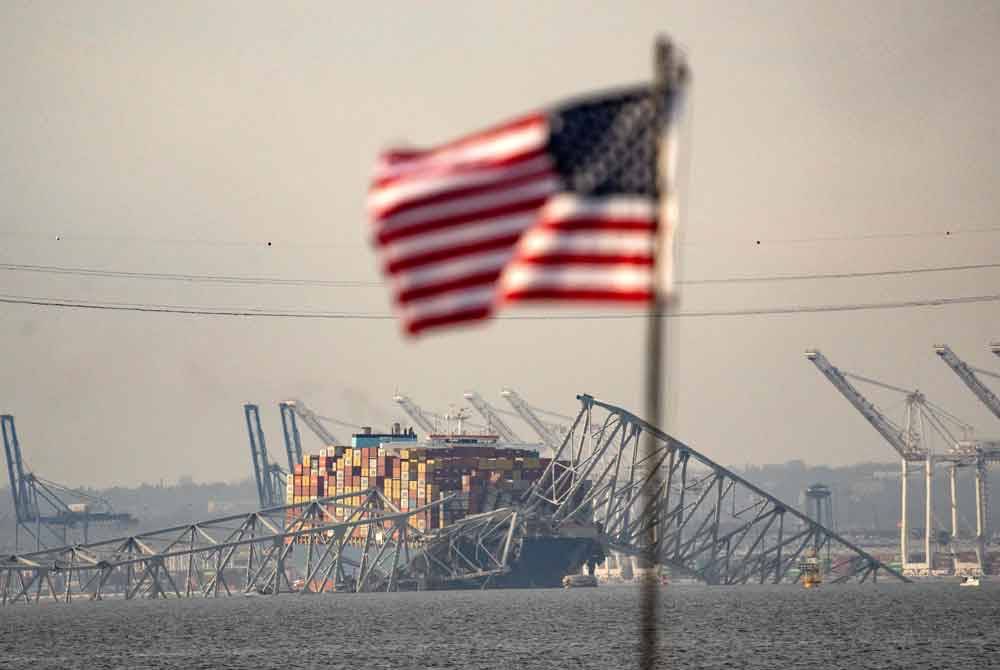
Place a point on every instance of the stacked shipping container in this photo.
(480, 478)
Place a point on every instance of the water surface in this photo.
(772, 627)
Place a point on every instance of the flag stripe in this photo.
(494, 185)
(436, 308)
(477, 279)
(599, 224)
(403, 223)
(568, 206)
(402, 157)
(504, 143)
(382, 200)
(504, 156)
(585, 249)
(418, 325)
(456, 238)
(441, 255)
(539, 241)
(399, 158)
(626, 278)
(585, 259)
(512, 203)
(588, 295)
(453, 268)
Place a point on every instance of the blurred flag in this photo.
(559, 205)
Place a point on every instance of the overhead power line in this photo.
(903, 234)
(194, 278)
(265, 243)
(606, 316)
(840, 275)
(359, 283)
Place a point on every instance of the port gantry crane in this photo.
(269, 477)
(967, 374)
(40, 504)
(912, 444)
(492, 416)
(984, 453)
(429, 421)
(298, 408)
(414, 412)
(551, 434)
(290, 431)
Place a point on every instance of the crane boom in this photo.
(270, 478)
(886, 428)
(257, 454)
(492, 417)
(968, 376)
(290, 430)
(15, 469)
(415, 413)
(311, 419)
(43, 504)
(550, 439)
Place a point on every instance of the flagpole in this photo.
(667, 77)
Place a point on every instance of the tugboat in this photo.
(809, 570)
(577, 581)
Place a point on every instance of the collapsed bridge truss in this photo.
(363, 550)
(707, 522)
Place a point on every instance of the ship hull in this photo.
(542, 562)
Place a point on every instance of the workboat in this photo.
(971, 580)
(809, 569)
(577, 581)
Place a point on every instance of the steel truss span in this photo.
(364, 549)
(708, 522)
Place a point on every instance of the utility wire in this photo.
(841, 275)
(861, 237)
(358, 316)
(358, 283)
(264, 243)
(170, 276)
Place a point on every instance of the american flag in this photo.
(560, 205)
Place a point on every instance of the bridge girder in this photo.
(707, 521)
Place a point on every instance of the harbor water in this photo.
(926, 625)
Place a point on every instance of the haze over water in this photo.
(767, 627)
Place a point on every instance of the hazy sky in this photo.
(237, 139)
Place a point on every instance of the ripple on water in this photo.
(766, 627)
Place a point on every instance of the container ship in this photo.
(469, 474)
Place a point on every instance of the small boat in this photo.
(971, 580)
(651, 579)
(576, 581)
(809, 569)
